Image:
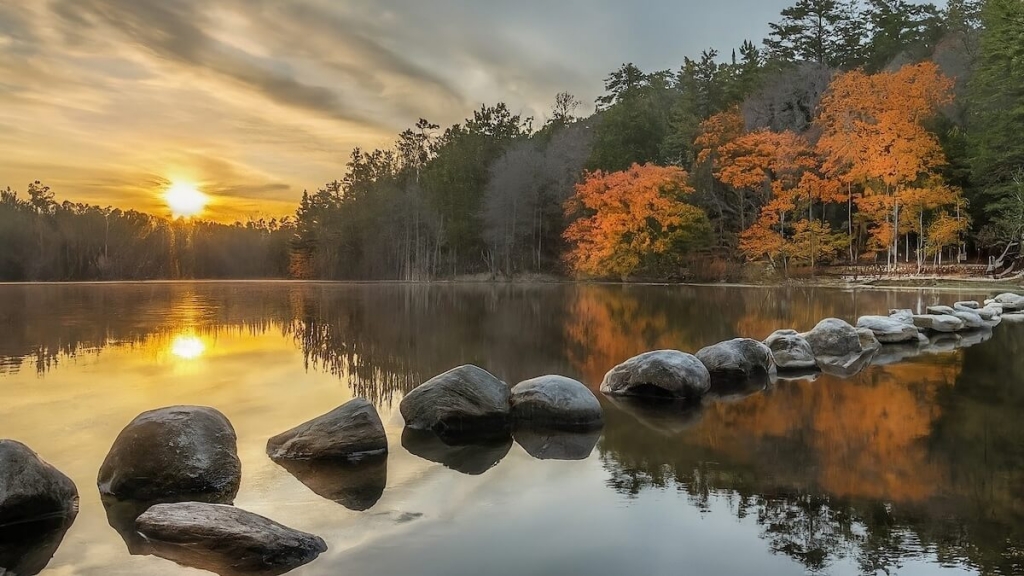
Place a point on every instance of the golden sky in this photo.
(252, 101)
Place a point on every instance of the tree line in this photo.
(877, 132)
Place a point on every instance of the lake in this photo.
(913, 466)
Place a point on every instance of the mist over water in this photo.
(912, 466)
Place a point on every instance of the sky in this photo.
(110, 102)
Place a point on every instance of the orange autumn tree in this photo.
(782, 171)
(634, 220)
(874, 138)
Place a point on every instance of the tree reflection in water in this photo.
(916, 452)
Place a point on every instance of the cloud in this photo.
(259, 99)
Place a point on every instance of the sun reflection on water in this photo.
(187, 347)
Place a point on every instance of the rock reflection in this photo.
(655, 414)
(355, 485)
(26, 549)
(545, 444)
(733, 388)
(468, 456)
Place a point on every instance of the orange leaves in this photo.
(628, 219)
(717, 131)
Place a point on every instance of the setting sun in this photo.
(187, 347)
(185, 200)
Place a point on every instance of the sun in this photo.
(187, 347)
(185, 200)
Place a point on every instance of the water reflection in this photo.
(26, 549)
(915, 452)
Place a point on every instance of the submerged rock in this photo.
(889, 330)
(351, 431)
(547, 444)
(181, 452)
(938, 323)
(735, 359)
(31, 489)
(225, 540)
(791, 351)
(664, 373)
(466, 399)
(472, 458)
(833, 337)
(355, 485)
(555, 402)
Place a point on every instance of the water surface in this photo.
(913, 466)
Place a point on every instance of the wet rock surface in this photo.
(351, 431)
(555, 402)
(791, 351)
(663, 373)
(460, 401)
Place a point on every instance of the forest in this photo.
(880, 134)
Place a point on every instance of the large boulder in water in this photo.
(352, 431)
(663, 373)
(833, 337)
(225, 539)
(889, 330)
(791, 351)
(902, 315)
(940, 310)
(967, 305)
(736, 359)
(971, 319)
(1010, 302)
(555, 402)
(176, 453)
(938, 323)
(31, 489)
(466, 399)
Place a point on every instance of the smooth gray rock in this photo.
(31, 489)
(1010, 302)
(466, 399)
(967, 305)
(889, 330)
(739, 358)
(868, 341)
(791, 351)
(904, 316)
(833, 337)
(941, 310)
(971, 319)
(225, 539)
(555, 402)
(938, 323)
(181, 452)
(664, 373)
(988, 314)
(848, 365)
(351, 431)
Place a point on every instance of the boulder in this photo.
(466, 399)
(938, 323)
(546, 444)
(1010, 302)
(356, 486)
(31, 489)
(941, 311)
(971, 319)
(472, 457)
(664, 373)
(868, 342)
(967, 305)
(176, 453)
(904, 316)
(555, 402)
(988, 314)
(889, 330)
(791, 351)
(352, 431)
(736, 359)
(833, 337)
(225, 539)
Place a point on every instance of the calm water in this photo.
(913, 466)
